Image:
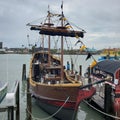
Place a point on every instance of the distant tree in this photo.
(118, 52)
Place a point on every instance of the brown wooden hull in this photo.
(57, 109)
(60, 99)
(55, 92)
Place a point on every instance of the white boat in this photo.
(3, 90)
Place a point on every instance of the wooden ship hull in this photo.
(60, 99)
(57, 89)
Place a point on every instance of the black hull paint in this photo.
(63, 114)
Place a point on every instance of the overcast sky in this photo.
(99, 18)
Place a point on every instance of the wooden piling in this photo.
(17, 101)
(89, 78)
(24, 72)
(29, 110)
(72, 67)
(108, 101)
(10, 113)
(80, 70)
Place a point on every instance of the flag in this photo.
(83, 47)
(77, 42)
(64, 18)
(88, 56)
(76, 36)
(62, 5)
(93, 63)
(67, 24)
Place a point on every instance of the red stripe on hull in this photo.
(61, 109)
(59, 104)
(85, 94)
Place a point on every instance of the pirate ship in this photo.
(57, 89)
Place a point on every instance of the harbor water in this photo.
(11, 71)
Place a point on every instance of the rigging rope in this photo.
(34, 21)
(50, 115)
(75, 56)
(77, 26)
(115, 117)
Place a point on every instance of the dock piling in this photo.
(10, 113)
(29, 110)
(89, 78)
(24, 72)
(17, 96)
(108, 101)
(80, 70)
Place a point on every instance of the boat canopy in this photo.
(108, 66)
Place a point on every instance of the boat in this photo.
(3, 90)
(57, 90)
(107, 97)
(111, 54)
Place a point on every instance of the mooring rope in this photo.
(50, 115)
(115, 117)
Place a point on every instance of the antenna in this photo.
(62, 6)
(48, 9)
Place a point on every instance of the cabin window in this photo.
(46, 58)
(54, 72)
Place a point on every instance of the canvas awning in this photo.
(108, 66)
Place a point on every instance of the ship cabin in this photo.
(42, 69)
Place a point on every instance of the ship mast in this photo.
(62, 75)
(48, 36)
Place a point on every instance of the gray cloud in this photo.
(100, 18)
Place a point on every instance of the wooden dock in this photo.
(98, 100)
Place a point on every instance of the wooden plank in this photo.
(98, 100)
(4, 108)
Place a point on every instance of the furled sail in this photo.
(60, 31)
